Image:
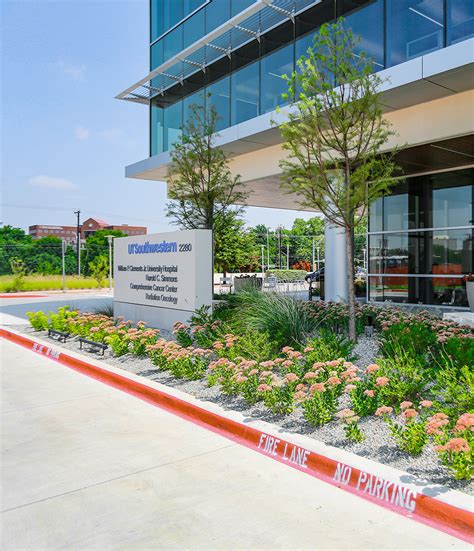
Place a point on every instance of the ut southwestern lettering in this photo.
(147, 247)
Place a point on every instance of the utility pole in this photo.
(314, 267)
(63, 261)
(279, 247)
(268, 250)
(263, 261)
(287, 256)
(78, 238)
(110, 238)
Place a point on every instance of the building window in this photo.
(240, 5)
(367, 24)
(459, 20)
(172, 122)
(416, 27)
(156, 130)
(245, 93)
(273, 85)
(193, 101)
(217, 13)
(219, 97)
(421, 240)
(173, 43)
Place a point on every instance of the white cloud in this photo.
(43, 181)
(81, 132)
(76, 72)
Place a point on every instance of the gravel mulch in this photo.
(378, 445)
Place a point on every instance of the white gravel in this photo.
(378, 444)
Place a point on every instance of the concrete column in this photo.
(335, 266)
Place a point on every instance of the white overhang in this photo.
(249, 24)
(439, 74)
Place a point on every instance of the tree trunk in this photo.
(350, 285)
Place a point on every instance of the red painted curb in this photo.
(396, 497)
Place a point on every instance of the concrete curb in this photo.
(439, 507)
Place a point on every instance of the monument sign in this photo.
(162, 278)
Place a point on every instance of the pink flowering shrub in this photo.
(454, 444)
(182, 334)
(140, 339)
(320, 404)
(279, 394)
(365, 390)
(351, 428)
(410, 429)
(188, 363)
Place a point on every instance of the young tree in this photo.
(334, 137)
(200, 184)
(97, 245)
(234, 248)
(99, 269)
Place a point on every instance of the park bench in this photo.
(61, 335)
(92, 344)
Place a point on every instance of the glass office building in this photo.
(233, 53)
(248, 82)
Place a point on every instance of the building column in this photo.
(335, 264)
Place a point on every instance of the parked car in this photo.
(314, 276)
(360, 273)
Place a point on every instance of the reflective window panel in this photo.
(272, 67)
(419, 290)
(245, 93)
(416, 27)
(395, 212)
(156, 130)
(452, 207)
(367, 24)
(172, 123)
(459, 20)
(220, 98)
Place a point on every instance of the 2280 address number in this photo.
(185, 247)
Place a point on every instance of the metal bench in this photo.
(93, 344)
(60, 334)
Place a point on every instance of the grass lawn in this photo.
(47, 283)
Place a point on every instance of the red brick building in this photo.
(88, 227)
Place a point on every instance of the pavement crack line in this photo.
(117, 478)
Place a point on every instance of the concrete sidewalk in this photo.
(85, 466)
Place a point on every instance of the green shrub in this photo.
(454, 390)
(407, 378)
(59, 321)
(456, 352)
(329, 346)
(284, 318)
(410, 436)
(415, 339)
(118, 343)
(288, 275)
(320, 407)
(38, 320)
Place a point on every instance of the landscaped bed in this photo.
(403, 397)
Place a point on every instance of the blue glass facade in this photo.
(245, 86)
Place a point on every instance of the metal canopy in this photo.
(249, 24)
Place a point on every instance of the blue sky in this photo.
(65, 139)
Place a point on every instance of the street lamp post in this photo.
(110, 239)
(63, 263)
